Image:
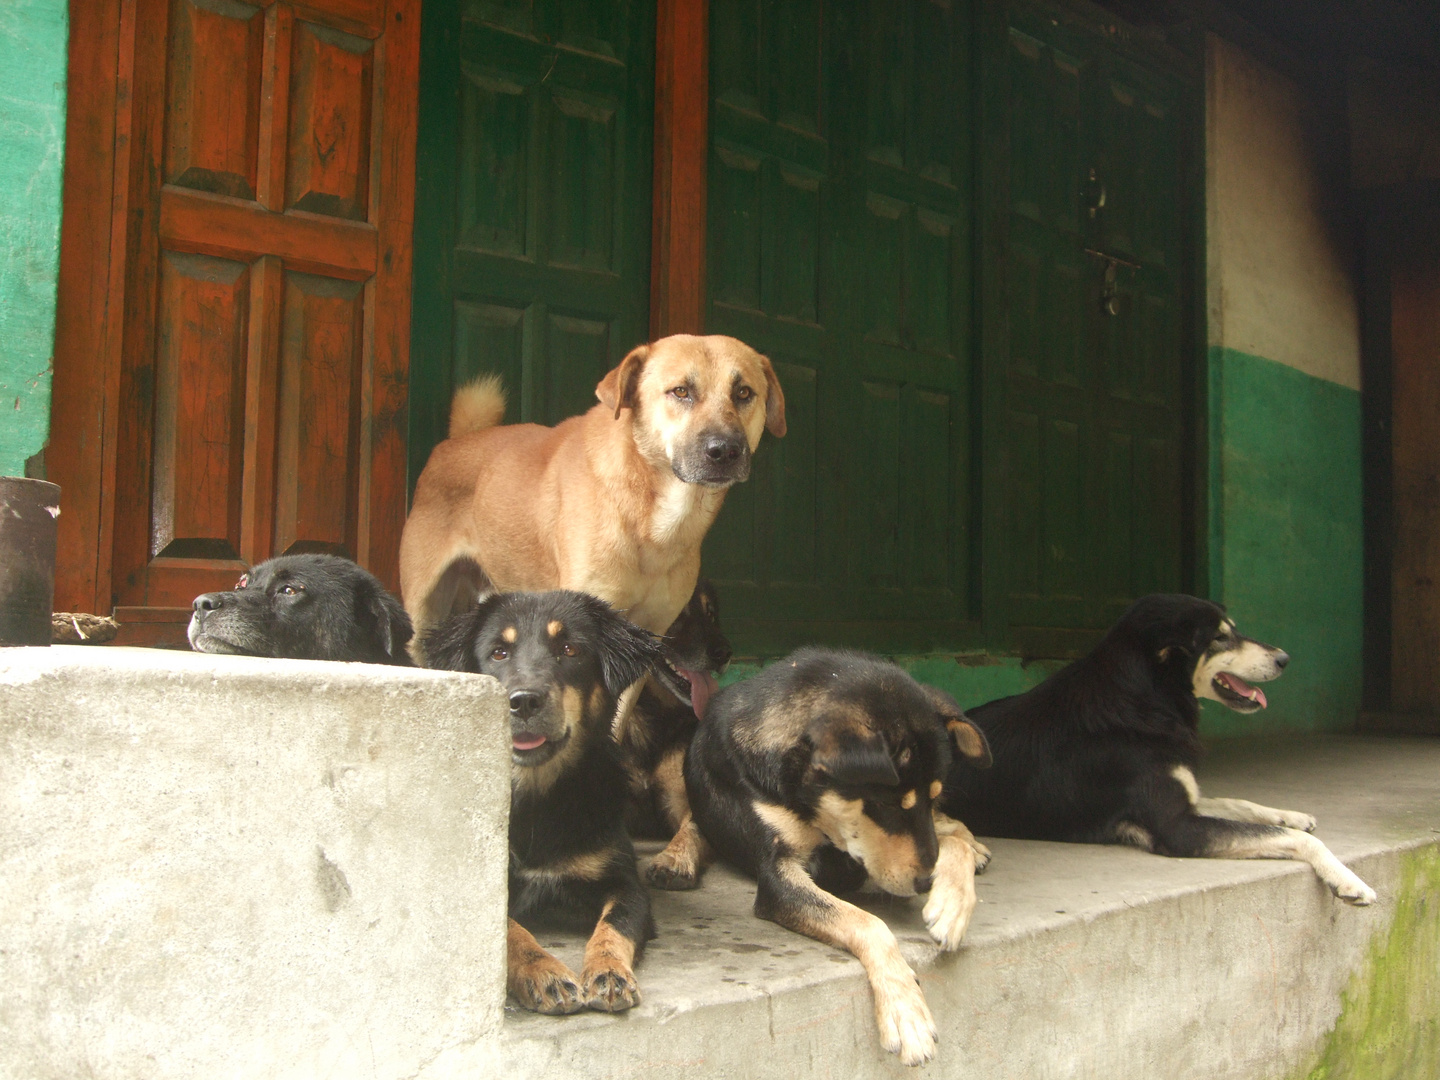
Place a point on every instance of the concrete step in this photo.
(1081, 961)
(219, 866)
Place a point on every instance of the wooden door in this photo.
(256, 325)
(839, 245)
(1089, 178)
(533, 215)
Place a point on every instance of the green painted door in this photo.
(532, 225)
(839, 245)
(1089, 185)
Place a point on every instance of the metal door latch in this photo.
(1109, 292)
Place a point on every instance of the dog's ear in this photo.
(450, 646)
(626, 652)
(774, 400)
(849, 753)
(392, 625)
(969, 739)
(620, 387)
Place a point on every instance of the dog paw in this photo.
(1354, 891)
(551, 990)
(982, 856)
(906, 1026)
(668, 871)
(952, 899)
(611, 989)
(1293, 819)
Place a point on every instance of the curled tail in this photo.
(477, 405)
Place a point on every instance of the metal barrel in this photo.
(28, 509)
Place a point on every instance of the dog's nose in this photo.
(924, 882)
(525, 703)
(207, 602)
(719, 655)
(721, 450)
(1281, 659)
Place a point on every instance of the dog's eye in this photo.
(680, 392)
(500, 654)
(290, 590)
(568, 649)
(744, 394)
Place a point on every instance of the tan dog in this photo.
(614, 502)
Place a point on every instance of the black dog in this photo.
(823, 770)
(305, 607)
(1103, 751)
(563, 658)
(653, 740)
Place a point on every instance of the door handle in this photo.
(1109, 292)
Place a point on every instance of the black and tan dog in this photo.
(563, 658)
(824, 770)
(1104, 751)
(304, 607)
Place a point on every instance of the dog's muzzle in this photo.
(718, 460)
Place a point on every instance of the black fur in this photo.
(903, 747)
(579, 810)
(664, 721)
(1090, 752)
(305, 607)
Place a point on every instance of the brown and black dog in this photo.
(614, 502)
(563, 659)
(823, 770)
(654, 738)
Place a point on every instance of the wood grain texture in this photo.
(682, 142)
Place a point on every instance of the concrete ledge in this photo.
(1082, 962)
(225, 866)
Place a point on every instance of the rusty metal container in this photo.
(28, 509)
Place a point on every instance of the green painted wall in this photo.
(1286, 533)
(33, 38)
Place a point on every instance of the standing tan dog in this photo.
(614, 502)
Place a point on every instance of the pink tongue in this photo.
(702, 685)
(1243, 688)
(526, 741)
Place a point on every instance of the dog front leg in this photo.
(945, 825)
(1243, 810)
(536, 979)
(787, 895)
(1190, 835)
(679, 866)
(952, 897)
(607, 982)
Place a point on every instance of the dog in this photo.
(563, 658)
(1104, 751)
(653, 740)
(614, 502)
(305, 607)
(821, 771)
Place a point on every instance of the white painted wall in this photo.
(1279, 282)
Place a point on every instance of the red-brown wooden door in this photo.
(258, 308)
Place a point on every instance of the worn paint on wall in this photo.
(33, 38)
(1286, 533)
(1279, 283)
(1389, 1025)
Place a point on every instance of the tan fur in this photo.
(593, 503)
(509, 635)
(800, 837)
(537, 979)
(936, 786)
(608, 979)
(477, 405)
(590, 866)
(553, 627)
(683, 860)
(891, 859)
(969, 741)
(907, 801)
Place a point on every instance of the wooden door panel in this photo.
(199, 407)
(213, 103)
(257, 369)
(533, 224)
(328, 158)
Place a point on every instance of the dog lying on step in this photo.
(1104, 751)
(563, 659)
(824, 770)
